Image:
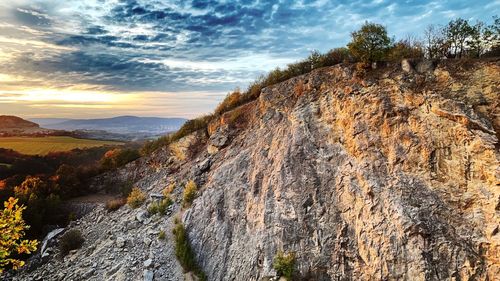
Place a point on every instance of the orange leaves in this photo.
(12, 227)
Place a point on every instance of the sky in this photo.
(103, 58)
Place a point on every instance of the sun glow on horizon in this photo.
(67, 96)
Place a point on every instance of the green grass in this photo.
(5, 165)
(45, 145)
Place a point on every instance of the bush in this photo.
(232, 100)
(118, 157)
(160, 207)
(70, 240)
(162, 235)
(184, 253)
(115, 204)
(336, 56)
(405, 49)
(136, 198)
(189, 193)
(169, 189)
(284, 264)
(12, 229)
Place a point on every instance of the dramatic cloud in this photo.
(172, 54)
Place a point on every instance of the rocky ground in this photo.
(392, 174)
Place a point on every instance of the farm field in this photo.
(45, 145)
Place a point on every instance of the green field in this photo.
(45, 145)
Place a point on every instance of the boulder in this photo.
(148, 275)
(220, 137)
(120, 242)
(406, 65)
(148, 263)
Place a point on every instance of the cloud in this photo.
(188, 46)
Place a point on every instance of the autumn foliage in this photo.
(12, 229)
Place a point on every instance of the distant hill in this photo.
(119, 125)
(44, 122)
(16, 126)
(14, 122)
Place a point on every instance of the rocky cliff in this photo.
(389, 174)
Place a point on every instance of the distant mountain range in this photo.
(117, 125)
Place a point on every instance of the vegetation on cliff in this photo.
(12, 229)
(184, 253)
(371, 43)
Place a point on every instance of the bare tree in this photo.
(435, 42)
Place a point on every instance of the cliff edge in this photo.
(388, 174)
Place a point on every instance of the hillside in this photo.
(14, 122)
(16, 126)
(390, 174)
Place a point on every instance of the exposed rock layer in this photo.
(394, 176)
(388, 176)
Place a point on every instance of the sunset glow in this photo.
(87, 58)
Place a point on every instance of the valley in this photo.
(249, 140)
(49, 144)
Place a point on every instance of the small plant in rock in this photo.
(189, 193)
(160, 207)
(177, 220)
(136, 198)
(70, 240)
(169, 189)
(184, 253)
(284, 264)
(115, 204)
(162, 235)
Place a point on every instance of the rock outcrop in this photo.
(388, 175)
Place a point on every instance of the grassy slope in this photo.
(45, 145)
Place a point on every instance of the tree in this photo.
(436, 45)
(370, 43)
(406, 48)
(491, 35)
(457, 33)
(477, 42)
(12, 228)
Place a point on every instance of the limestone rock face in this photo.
(392, 177)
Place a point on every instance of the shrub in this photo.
(118, 157)
(12, 229)
(231, 101)
(177, 220)
(405, 49)
(169, 189)
(70, 240)
(184, 253)
(136, 198)
(115, 204)
(160, 207)
(189, 193)
(336, 56)
(162, 235)
(284, 264)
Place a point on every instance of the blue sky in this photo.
(99, 58)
